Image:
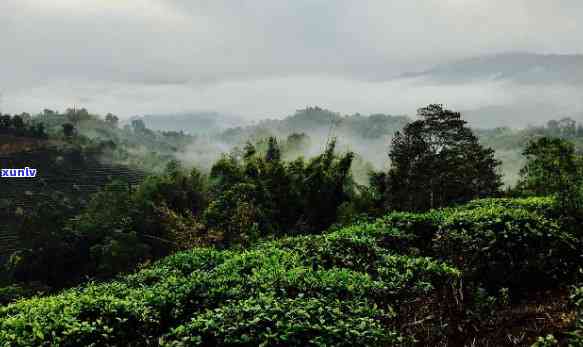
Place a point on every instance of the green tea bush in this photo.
(357, 252)
(400, 232)
(420, 227)
(15, 292)
(544, 205)
(546, 341)
(134, 308)
(387, 279)
(268, 321)
(503, 247)
(360, 285)
(184, 263)
(374, 302)
(76, 318)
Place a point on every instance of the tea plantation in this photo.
(59, 173)
(404, 279)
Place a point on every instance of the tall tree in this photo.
(552, 169)
(5, 121)
(17, 122)
(68, 129)
(273, 152)
(138, 125)
(280, 196)
(112, 120)
(437, 161)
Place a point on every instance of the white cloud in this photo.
(149, 49)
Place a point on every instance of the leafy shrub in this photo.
(135, 308)
(180, 264)
(118, 252)
(504, 243)
(76, 317)
(14, 292)
(359, 285)
(267, 321)
(359, 253)
(546, 341)
(367, 303)
(545, 205)
(421, 227)
(399, 232)
(503, 247)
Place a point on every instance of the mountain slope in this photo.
(517, 67)
(369, 284)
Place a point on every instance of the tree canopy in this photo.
(552, 167)
(436, 161)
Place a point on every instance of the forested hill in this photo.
(367, 135)
(71, 172)
(304, 133)
(370, 135)
(311, 120)
(75, 154)
(319, 121)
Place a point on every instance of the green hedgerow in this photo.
(511, 248)
(269, 321)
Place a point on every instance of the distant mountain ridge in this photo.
(194, 123)
(517, 67)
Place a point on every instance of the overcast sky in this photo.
(261, 57)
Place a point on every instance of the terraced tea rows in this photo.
(74, 177)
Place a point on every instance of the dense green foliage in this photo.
(118, 229)
(553, 167)
(509, 144)
(500, 243)
(512, 248)
(133, 145)
(220, 290)
(278, 196)
(278, 249)
(353, 286)
(21, 125)
(259, 195)
(547, 205)
(437, 161)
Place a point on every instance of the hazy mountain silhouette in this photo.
(517, 67)
(193, 122)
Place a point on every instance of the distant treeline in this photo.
(21, 125)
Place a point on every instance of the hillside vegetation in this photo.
(271, 248)
(403, 279)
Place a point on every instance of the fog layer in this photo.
(267, 58)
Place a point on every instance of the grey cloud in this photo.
(190, 47)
